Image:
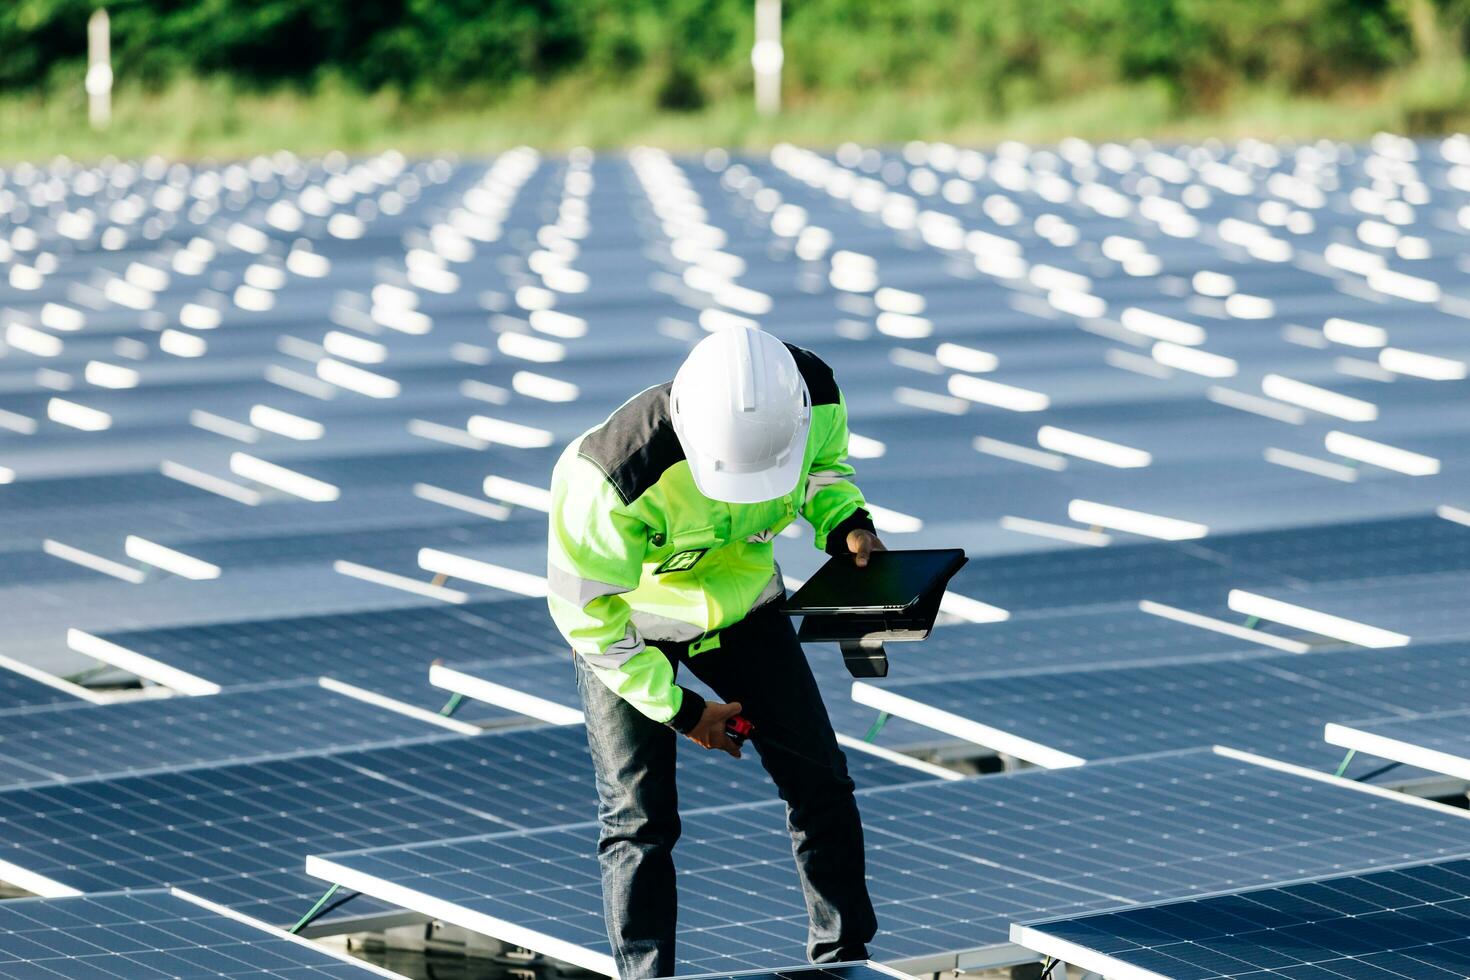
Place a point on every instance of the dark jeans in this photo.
(759, 664)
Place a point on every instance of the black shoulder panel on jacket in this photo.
(636, 445)
(816, 374)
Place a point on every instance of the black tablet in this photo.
(892, 582)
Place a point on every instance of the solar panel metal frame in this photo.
(1375, 738)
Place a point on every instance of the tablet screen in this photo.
(893, 580)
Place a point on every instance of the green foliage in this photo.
(680, 90)
(228, 75)
(1010, 53)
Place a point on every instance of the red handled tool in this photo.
(739, 729)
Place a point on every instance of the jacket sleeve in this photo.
(594, 555)
(834, 505)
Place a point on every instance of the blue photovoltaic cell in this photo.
(1418, 545)
(147, 935)
(69, 742)
(951, 864)
(1409, 922)
(238, 834)
(1272, 705)
(19, 692)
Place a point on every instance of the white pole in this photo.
(766, 57)
(99, 69)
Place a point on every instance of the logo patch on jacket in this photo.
(681, 561)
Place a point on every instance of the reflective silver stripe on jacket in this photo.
(775, 589)
(578, 590)
(656, 627)
(818, 480)
(619, 653)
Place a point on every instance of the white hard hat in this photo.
(742, 412)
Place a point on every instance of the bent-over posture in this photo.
(660, 556)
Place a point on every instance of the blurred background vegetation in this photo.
(237, 76)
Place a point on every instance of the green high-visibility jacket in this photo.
(637, 553)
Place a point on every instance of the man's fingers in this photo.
(862, 544)
(721, 742)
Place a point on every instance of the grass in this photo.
(213, 118)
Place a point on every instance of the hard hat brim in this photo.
(749, 488)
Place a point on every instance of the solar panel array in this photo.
(1195, 412)
(239, 834)
(1410, 922)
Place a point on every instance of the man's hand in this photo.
(710, 730)
(863, 543)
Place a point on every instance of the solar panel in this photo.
(372, 546)
(1271, 705)
(1095, 576)
(70, 742)
(949, 865)
(1332, 553)
(1409, 922)
(384, 650)
(1064, 638)
(154, 934)
(1418, 545)
(1069, 718)
(1425, 608)
(237, 834)
(1413, 679)
(1439, 742)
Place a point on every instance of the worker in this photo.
(660, 557)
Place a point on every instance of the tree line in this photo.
(1009, 52)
